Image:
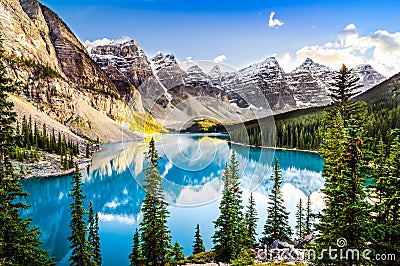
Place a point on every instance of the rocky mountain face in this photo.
(369, 77)
(164, 85)
(57, 74)
(265, 80)
(165, 88)
(305, 86)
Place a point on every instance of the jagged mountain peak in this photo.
(215, 70)
(163, 61)
(120, 42)
(270, 61)
(364, 67)
(308, 62)
(195, 69)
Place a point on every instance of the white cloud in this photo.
(380, 49)
(286, 62)
(104, 41)
(274, 22)
(188, 58)
(220, 58)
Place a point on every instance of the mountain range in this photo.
(112, 89)
(305, 86)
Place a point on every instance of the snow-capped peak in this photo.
(216, 70)
(122, 40)
(308, 62)
(89, 45)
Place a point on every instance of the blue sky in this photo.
(330, 32)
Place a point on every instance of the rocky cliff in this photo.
(58, 76)
(167, 88)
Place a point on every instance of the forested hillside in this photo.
(301, 128)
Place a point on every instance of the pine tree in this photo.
(386, 195)
(230, 231)
(176, 254)
(309, 218)
(79, 244)
(251, 222)
(345, 170)
(276, 225)
(93, 237)
(341, 90)
(300, 227)
(198, 246)
(154, 231)
(135, 257)
(19, 242)
(97, 246)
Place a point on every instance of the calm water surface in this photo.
(191, 166)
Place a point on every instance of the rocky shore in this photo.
(49, 165)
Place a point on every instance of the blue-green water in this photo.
(191, 166)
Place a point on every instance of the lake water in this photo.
(191, 165)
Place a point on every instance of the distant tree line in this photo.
(301, 129)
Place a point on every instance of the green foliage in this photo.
(251, 223)
(135, 257)
(202, 257)
(154, 231)
(300, 223)
(385, 193)
(302, 129)
(245, 258)
(309, 217)
(40, 71)
(198, 245)
(19, 241)
(80, 246)
(229, 235)
(347, 212)
(343, 88)
(29, 140)
(296, 129)
(93, 237)
(176, 255)
(277, 224)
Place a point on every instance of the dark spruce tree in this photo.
(230, 231)
(80, 247)
(300, 223)
(346, 214)
(277, 224)
(251, 222)
(135, 257)
(198, 245)
(154, 231)
(385, 194)
(309, 218)
(93, 237)
(19, 242)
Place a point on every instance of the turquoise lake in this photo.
(191, 165)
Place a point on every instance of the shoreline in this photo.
(81, 165)
(84, 163)
(272, 148)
